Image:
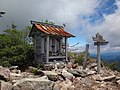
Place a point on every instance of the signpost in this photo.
(98, 40)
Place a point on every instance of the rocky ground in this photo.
(59, 76)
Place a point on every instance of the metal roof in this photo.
(52, 29)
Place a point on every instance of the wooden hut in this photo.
(50, 42)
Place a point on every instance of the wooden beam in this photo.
(98, 59)
(66, 49)
(47, 49)
(101, 43)
(86, 56)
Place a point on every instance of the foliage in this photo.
(49, 22)
(113, 65)
(16, 47)
(79, 57)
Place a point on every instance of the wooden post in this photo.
(66, 49)
(98, 40)
(42, 45)
(47, 49)
(98, 59)
(86, 56)
(60, 46)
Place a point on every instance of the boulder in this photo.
(5, 85)
(4, 74)
(109, 78)
(51, 75)
(67, 75)
(48, 67)
(118, 82)
(92, 65)
(69, 65)
(91, 72)
(33, 84)
(15, 71)
(65, 85)
(14, 76)
(13, 67)
(74, 72)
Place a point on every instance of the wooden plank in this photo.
(86, 56)
(56, 57)
(101, 43)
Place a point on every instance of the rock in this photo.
(83, 73)
(57, 85)
(48, 67)
(69, 65)
(33, 84)
(4, 74)
(51, 75)
(109, 78)
(117, 78)
(67, 74)
(74, 72)
(31, 69)
(15, 71)
(118, 82)
(5, 85)
(65, 85)
(92, 65)
(14, 76)
(13, 67)
(91, 72)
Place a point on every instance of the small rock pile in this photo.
(60, 76)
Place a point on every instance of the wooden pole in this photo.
(86, 56)
(47, 50)
(98, 59)
(66, 50)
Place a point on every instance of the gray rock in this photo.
(118, 82)
(67, 75)
(4, 74)
(13, 67)
(14, 76)
(108, 78)
(5, 85)
(74, 72)
(92, 65)
(51, 75)
(91, 72)
(65, 85)
(33, 84)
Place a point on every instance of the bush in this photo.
(16, 48)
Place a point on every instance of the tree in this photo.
(16, 47)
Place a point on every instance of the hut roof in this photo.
(51, 29)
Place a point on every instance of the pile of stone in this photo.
(59, 76)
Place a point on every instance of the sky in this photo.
(83, 18)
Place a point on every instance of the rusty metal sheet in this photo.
(48, 29)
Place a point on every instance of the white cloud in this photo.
(60, 11)
(109, 28)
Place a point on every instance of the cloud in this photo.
(109, 28)
(59, 11)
